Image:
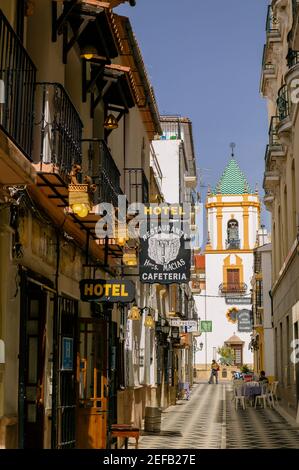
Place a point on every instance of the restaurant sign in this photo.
(107, 291)
(244, 321)
(164, 256)
(238, 300)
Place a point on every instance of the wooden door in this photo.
(35, 346)
(233, 279)
(92, 377)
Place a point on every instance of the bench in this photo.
(125, 431)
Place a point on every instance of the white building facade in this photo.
(233, 217)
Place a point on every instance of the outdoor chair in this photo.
(272, 393)
(263, 397)
(239, 397)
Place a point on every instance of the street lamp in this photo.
(149, 322)
(110, 123)
(134, 313)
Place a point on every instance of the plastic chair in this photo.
(263, 397)
(239, 397)
(272, 393)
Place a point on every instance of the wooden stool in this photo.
(125, 431)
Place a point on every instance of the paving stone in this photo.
(209, 420)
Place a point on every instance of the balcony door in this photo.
(233, 280)
(92, 377)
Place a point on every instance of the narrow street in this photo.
(209, 421)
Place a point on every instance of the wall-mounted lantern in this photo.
(110, 123)
(134, 313)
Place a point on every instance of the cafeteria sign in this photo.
(164, 257)
(107, 291)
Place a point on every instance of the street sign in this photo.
(244, 321)
(206, 326)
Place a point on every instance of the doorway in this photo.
(92, 379)
(32, 365)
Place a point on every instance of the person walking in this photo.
(214, 372)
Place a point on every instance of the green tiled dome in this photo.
(233, 180)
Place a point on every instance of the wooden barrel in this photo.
(152, 421)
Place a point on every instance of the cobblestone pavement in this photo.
(209, 421)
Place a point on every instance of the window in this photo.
(233, 241)
(233, 279)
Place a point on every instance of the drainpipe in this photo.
(272, 308)
(55, 347)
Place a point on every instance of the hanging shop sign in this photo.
(245, 321)
(107, 291)
(238, 300)
(165, 256)
(206, 326)
(190, 326)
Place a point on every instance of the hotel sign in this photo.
(165, 255)
(107, 291)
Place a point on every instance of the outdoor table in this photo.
(251, 389)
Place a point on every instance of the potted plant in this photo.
(244, 369)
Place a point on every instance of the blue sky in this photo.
(204, 60)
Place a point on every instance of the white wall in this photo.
(167, 152)
(216, 307)
(269, 355)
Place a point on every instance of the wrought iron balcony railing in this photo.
(283, 105)
(232, 244)
(233, 288)
(105, 172)
(59, 128)
(17, 81)
(273, 135)
(292, 58)
(136, 185)
(258, 317)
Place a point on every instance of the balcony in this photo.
(268, 71)
(136, 185)
(232, 244)
(271, 180)
(58, 131)
(233, 288)
(275, 149)
(272, 26)
(283, 104)
(104, 171)
(293, 72)
(259, 317)
(17, 81)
